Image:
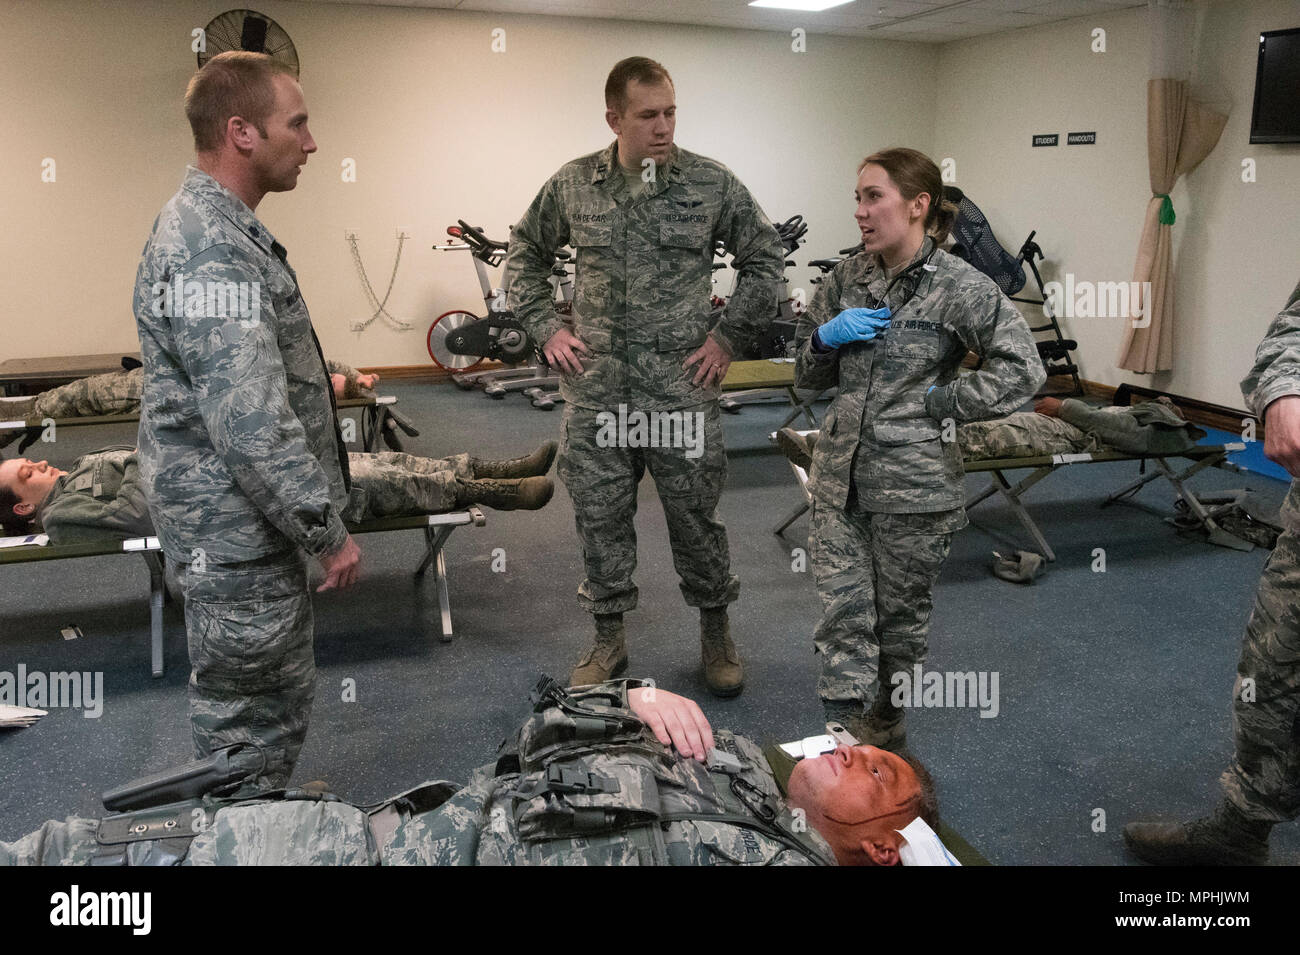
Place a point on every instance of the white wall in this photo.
(440, 127)
(1235, 244)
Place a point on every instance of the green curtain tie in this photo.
(1166, 209)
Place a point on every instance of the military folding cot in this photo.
(437, 528)
(376, 419)
(1040, 466)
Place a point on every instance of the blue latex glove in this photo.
(854, 325)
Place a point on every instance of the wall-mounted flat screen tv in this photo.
(1276, 118)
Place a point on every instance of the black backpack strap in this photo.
(771, 830)
(560, 779)
(750, 806)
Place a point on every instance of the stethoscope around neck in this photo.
(915, 271)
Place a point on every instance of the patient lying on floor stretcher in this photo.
(1054, 427)
(102, 498)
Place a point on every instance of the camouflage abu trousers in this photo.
(1023, 434)
(1263, 780)
(117, 392)
(602, 475)
(874, 573)
(253, 672)
(392, 484)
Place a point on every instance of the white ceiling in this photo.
(924, 21)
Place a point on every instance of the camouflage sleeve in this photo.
(238, 378)
(71, 842)
(751, 238)
(1277, 360)
(542, 231)
(989, 324)
(817, 371)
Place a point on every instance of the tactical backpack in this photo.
(586, 783)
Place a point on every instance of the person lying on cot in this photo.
(118, 393)
(620, 797)
(102, 498)
(1054, 427)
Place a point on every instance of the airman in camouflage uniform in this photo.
(1150, 427)
(640, 312)
(1262, 785)
(887, 489)
(102, 498)
(240, 453)
(591, 778)
(118, 393)
(483, 823)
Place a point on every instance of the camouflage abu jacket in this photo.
(101, 498)
(1277, 374)
(239, 449)
(644, 274)
(883, 432)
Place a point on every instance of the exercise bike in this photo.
(460, 341)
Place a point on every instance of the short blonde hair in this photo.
(234, 83)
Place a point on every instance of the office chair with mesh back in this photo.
(973, 240)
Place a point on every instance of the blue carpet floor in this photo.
(1114, 686)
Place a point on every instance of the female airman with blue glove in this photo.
(889, 327)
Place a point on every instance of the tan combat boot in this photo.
(515, 494)
(795, 446)
(530, 465)
(724, 674)
(883, 726)
(607, 657)
(1224, 838)
(868, 730)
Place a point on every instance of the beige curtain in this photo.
(1180, 133)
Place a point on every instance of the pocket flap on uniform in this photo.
(599, 341)
(590, 233)
(910, 431)
(684, 235)
(679, 338)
